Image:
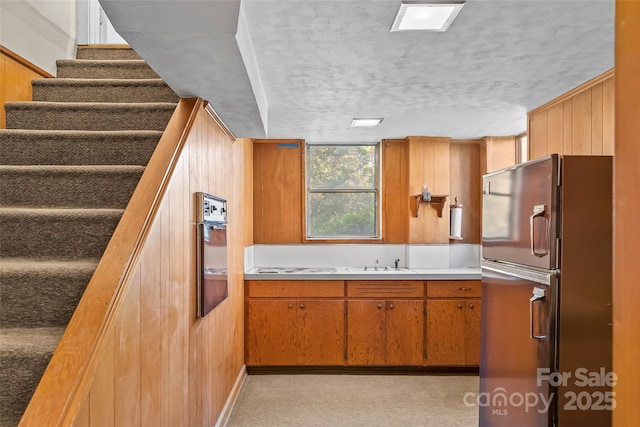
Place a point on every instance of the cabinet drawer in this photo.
(294, 288)
(453, 288)
(385, 289)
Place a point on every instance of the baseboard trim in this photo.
(233, 397)
(363, 370)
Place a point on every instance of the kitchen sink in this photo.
(307, 270)
(380, 270)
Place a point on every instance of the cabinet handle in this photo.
(538, 211)
(470, 305)
(301, 305)
(464, 289)
(391, 306)
(290, 305)
(379, 306)
(459, 305)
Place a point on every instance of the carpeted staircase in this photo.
(69, 162)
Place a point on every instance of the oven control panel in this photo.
(210, 208)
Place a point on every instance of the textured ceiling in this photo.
(304, 69)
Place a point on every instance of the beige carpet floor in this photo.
(355, 400)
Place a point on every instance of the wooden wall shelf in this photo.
(437, 202)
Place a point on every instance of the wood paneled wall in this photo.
(278, 191)
(429, 164)
(407, 164)
(248, 191)
(626, 269)
(466, 183)
(578, 122)
(16, 74)
(161, 365)
(497, 152)
(395, 191)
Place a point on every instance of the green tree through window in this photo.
(342, 191)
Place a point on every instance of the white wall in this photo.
(41, 31)
(82, 31)
(360, 255)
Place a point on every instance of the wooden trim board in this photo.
(626, 269)
(27, 64)
(233, 398)
(212, 113)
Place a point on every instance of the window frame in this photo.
(377, 191)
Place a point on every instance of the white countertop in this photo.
(346, 273)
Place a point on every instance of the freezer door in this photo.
(517, 348)
(519, 210)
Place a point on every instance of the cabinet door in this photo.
(446, 332)
(405, 332)
(320, 326)
(366, 332)
(277, 192)
(271, 335)
(472, 331)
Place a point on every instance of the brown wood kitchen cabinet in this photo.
(453, 323)
(385, 323)
(298, 323)
(277, 191)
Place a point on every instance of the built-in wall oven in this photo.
(212, 283)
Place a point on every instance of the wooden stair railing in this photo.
(70, 373)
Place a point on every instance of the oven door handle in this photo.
(215, 225)
(539, 294)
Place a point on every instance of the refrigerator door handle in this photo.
(538, 210)
(538, 295)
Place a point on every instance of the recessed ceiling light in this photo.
(434, 16)
(356, 123)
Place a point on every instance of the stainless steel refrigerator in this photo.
(546, 294)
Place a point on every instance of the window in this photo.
(343, 191)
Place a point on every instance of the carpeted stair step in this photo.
(102, 90)
(106, 52)
(41, 292)
(76, 147)
(24, 355)
(99, 69)
(56, 233)
(88, 116)
(43, 186)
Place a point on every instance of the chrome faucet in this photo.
(395, 262)
(376, 266)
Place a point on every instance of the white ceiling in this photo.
(304, 69)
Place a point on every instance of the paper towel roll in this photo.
(456, 223)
